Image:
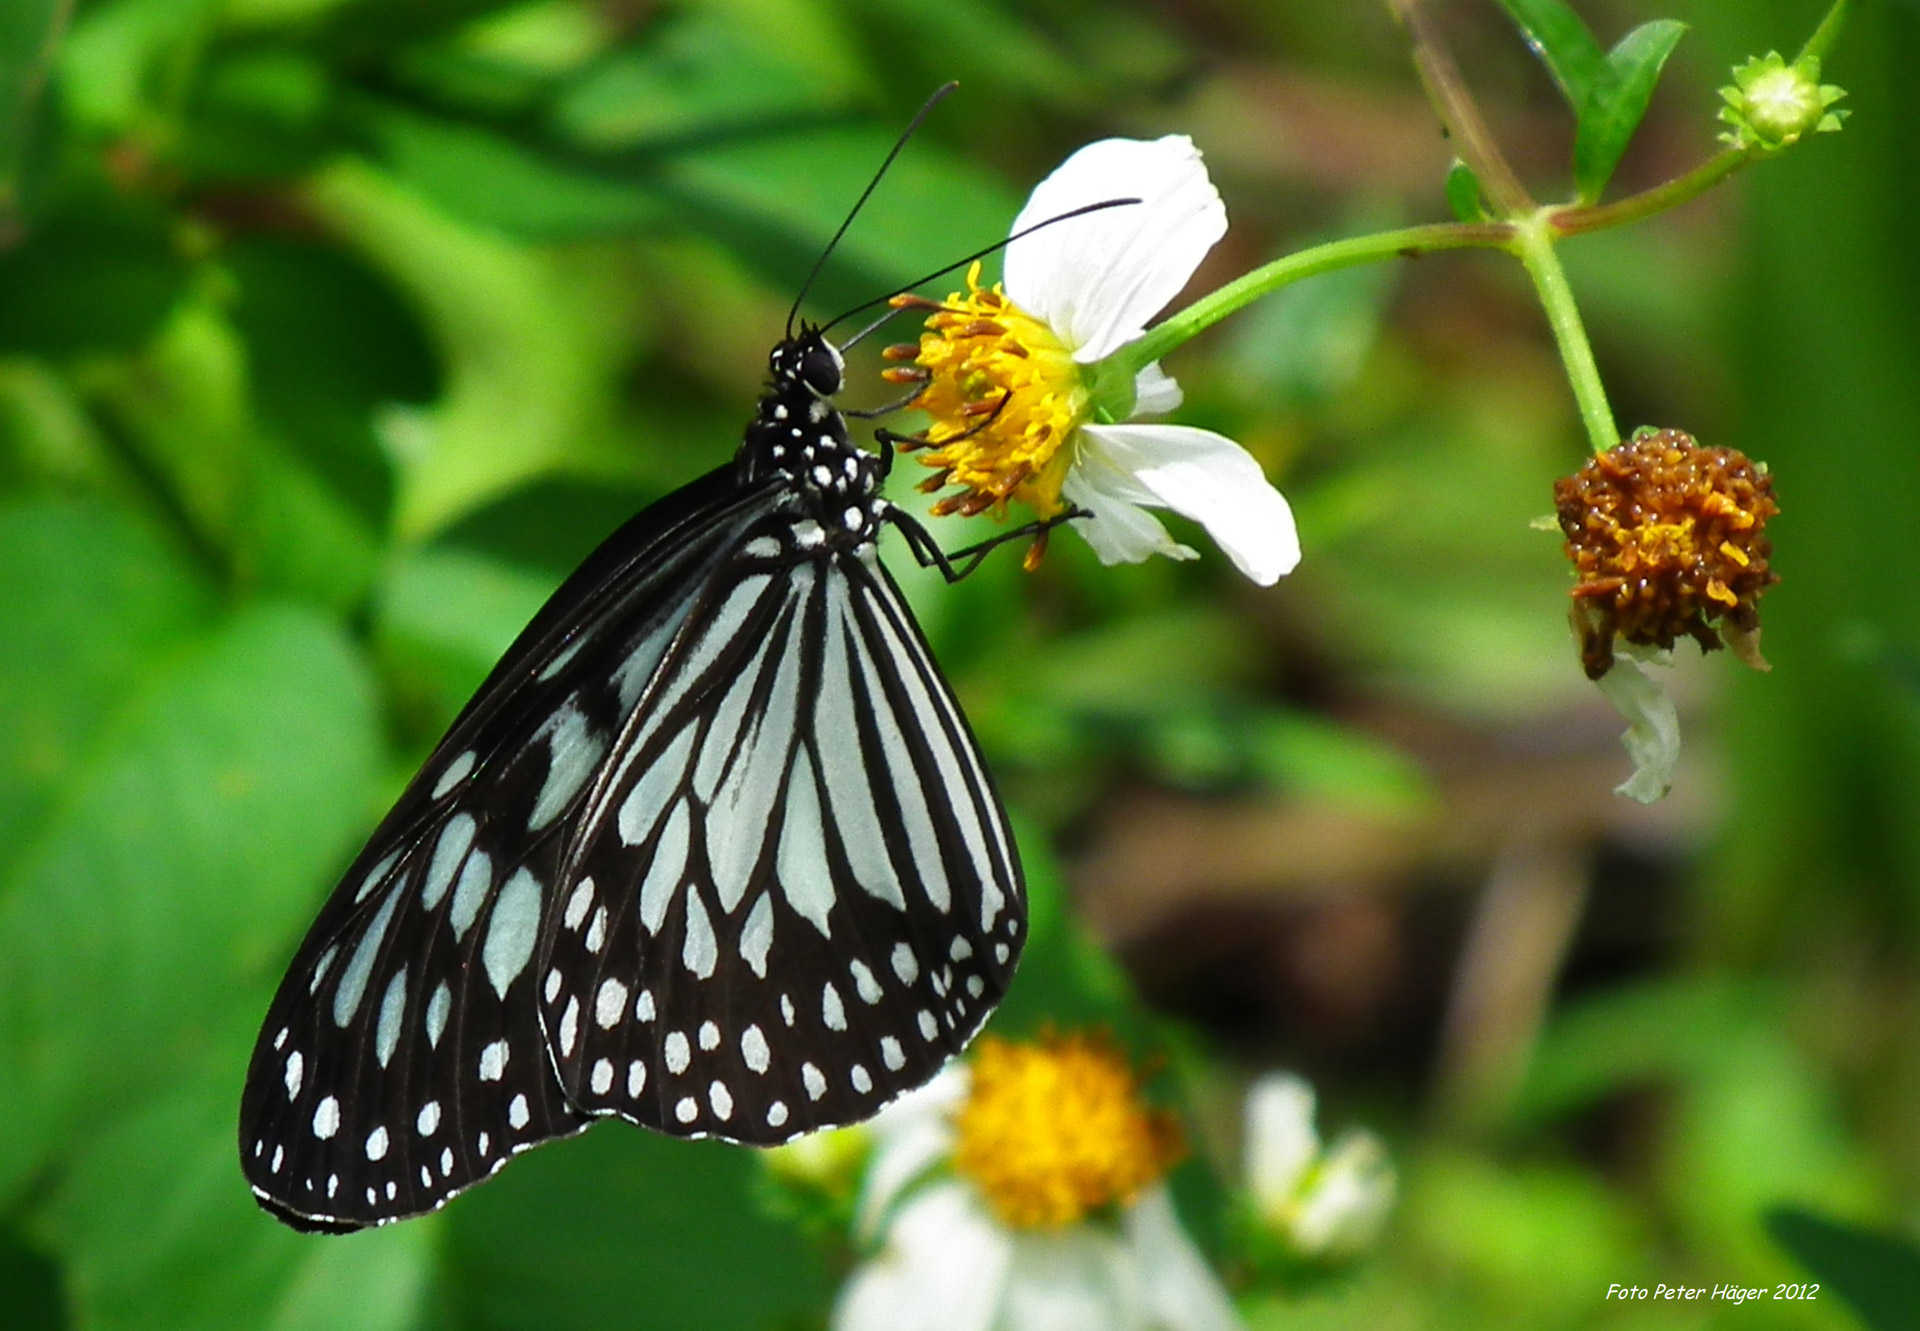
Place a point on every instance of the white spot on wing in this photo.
(353, 980)
(377, 1144)
(756, 935)
(570, 1026)
(861, 1078)
(905, 964)
(641, 810)
(449, 852)
(471, 890)
(864, 983)
(456, 772)
(643, 1006)
(753, 1048)
(576, 752)
(512, 931)
(663, 875)
(493, 1061)
(892, 1054)
(437, 1009)
(777, 1114)
(832, 1010)
(709, 1036)
(577, 904)
(720, 1099)
(393, 1011)
(602, 1077)
(687, 1109)
(296, 1070)
(609, 1003)
(636, 1078)
(699, 950)
(376, 873)
(679, 1054)
(814, 1079)
(326, 1118)
(428, 1122)
(804, 870)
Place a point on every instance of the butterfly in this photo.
(712, 849)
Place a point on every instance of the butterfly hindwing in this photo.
(403, 1057)
(795, 896)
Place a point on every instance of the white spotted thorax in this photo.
(711, 850)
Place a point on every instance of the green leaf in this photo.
(531, 351)
(157, 1228)
(627, 1228)
(1877, 1275)
(108, 601)
(1564, 43)
(180, 861)
(29, 35)
(1617, 102)
(1463, 193)
(99, 275)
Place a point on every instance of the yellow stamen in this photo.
(1054, 1130)
(1004, 395)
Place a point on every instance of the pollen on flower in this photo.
(1055, 1130)
(1667, 538)
(1004, 395)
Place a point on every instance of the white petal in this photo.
(1181, 1289)
(1120, 531)
(1652, 738)
(1078, 1279)
(944, 1268)
(1343, 1212)
(1154, 392)
(1280, 1140)
(910, 1136)
(1207, 477)
(1096, 280)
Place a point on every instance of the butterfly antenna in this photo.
(962, 263)
(939, 94)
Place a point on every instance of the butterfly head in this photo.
(807, 361)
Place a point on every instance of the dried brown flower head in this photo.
(1667, 538)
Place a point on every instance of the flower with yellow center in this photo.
(1026, 1189)
(1027, 381)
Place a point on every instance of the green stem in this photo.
(1216, 305)
(1573, 221)
(1533, 243)
(1826, 34)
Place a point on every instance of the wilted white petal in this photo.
(945, 1268)
(1155, 393)
(1652, 738)
(1181, 1289)
(1120, 531)
(1096, 280)
(1209, 478)
(1077, 1279)
(1349, 1200)
(910, 1135)
(1280, 1140)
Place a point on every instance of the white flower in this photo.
(1327, 1204)
(1029, 352)
(948, 1262)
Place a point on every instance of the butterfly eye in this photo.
(821, 369)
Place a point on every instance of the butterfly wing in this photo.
(403, 1058)
(794, 895)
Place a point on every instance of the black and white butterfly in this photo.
(712, 849)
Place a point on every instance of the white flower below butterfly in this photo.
(1026, 1189)
(1023, 393)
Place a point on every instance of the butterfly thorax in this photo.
(797, 435)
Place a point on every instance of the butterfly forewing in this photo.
(795, 896)
(403, 1057)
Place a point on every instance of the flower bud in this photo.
(1771, 103)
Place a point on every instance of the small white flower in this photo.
(1014, 372)
(1328, 1204)
(947, 1261)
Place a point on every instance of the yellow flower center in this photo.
(1004, 395)
(1054, 1130)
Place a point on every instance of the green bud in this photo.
(1772, 104)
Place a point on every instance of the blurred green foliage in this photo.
(332, 332)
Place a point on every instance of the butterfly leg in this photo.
(960, 563)
(889, 439)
